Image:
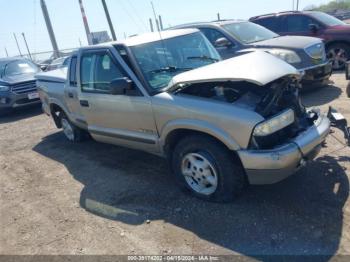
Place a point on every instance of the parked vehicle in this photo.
(17, 83)
(58, 63)
(334, 32)
(232, 38)
(219, 123)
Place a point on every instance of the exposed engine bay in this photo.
(267, 101)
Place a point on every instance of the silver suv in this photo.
(220, 124)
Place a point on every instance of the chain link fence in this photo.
(49, 56)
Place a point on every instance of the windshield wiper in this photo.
(170, 69)
(203, 57)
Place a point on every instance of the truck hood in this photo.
(257, 67)
(291, 42)
(58, 75)
(11, 80)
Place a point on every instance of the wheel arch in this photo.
(173, 132)
(55, 111)
(334, 42)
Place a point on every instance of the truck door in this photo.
(125, 119)
(71, 94)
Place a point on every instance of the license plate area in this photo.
(34, 95)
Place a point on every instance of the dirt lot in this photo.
(91, 198)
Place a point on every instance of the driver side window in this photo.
(97, 72)
(212, 35)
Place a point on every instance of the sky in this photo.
(128, 17)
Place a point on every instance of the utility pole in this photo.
(155, 16)
(151, 24)
(297, 5)
(219, 19)
(25, 41)
(19, 49)
(7, 54)
(80, 43)
(49, 29)
(109, 20)
(86, 25)
(160, 22)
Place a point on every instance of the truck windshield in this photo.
(247, 32)
(20, 67)
(327, 19)
(160, 61)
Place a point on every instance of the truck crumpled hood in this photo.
(257, 67)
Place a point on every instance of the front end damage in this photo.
(292, 135)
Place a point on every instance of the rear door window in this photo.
(271, 23)
(73, 71)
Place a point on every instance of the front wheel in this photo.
(71, 132)
(207, 169)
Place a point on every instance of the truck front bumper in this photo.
(272, 166)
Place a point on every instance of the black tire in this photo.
(230, 173)
(334, 49)
(78, 134)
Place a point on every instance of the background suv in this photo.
(335, 33)
(17, 83)
(236, 37)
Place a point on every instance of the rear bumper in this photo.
(272, 166)
(316, 75)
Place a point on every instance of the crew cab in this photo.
(17, 84)
(220, 124)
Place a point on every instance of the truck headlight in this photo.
(287, 55)
(4, 88)
(275, 123)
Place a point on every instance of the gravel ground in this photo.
(91, 198)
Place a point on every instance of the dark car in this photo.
(232, 38)
(17, 83)
(335, 33)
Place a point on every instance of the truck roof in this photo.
(153, 37)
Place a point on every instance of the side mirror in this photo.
(120, 86)
(314, 28)
(222, 42)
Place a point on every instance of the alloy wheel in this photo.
(199, 173)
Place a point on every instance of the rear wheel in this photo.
(338, 54)
(71, 131)
(207, 169)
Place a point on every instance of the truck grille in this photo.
(24, 88)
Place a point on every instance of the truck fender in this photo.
(199, 126)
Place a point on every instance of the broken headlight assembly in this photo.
(275, 123)
(288, 56)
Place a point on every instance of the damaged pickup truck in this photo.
(220, 124)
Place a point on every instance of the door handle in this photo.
(84, 103)
(70, 95)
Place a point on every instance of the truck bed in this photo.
(58, 75)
